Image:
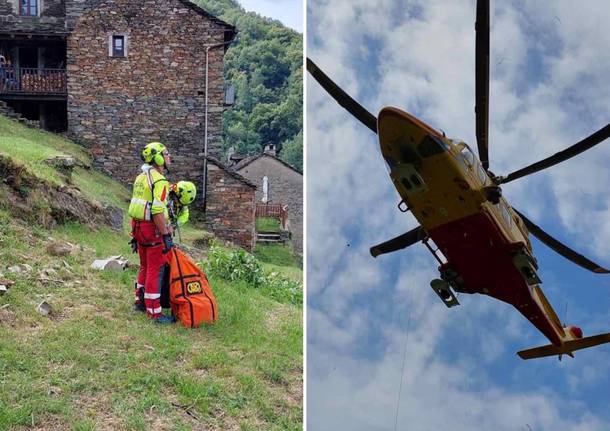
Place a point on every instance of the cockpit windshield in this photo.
(431, 145)
(481, 173)
(468, 155)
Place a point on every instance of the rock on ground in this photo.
(57, 248)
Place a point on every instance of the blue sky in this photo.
(549, 73)
(289, 12)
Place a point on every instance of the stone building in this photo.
(230, 205)
(277, 182)
(116, 74)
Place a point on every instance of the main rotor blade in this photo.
(589, 142)
(560, 248)
(400, 242)
(344, 99)
(481, 107)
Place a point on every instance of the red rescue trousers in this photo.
(152, 261)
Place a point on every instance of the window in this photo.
(462, 162)
(431, 145)
(28, 8)
(506, 216)
(118, 46)
(481, 173)
(468, 155)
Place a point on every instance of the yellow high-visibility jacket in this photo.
(183, 215)
(150, 194)
(180, 214)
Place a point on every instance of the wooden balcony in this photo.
(33, 82)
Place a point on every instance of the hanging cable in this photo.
(402, 371)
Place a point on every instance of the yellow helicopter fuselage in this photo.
(484, 242)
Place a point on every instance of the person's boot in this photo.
(139, 305)
(164, 320)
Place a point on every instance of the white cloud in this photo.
(460, 372)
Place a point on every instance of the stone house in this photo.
(117, 74)
(230, 205)
(277, 183)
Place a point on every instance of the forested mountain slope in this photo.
(265, 67)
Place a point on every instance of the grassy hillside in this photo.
(30, 147)
(94, 364)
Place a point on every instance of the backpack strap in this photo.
(151, 185)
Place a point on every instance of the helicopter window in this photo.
(460, 159)
(506, 216)
(481, 173)
(415, 180)
(405, 182)
(431, 145)
(468, 155)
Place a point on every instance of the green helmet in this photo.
(153, 153)
(186, 192)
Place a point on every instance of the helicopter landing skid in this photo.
(443, 290)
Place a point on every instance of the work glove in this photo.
(168, 243)
(134, 245)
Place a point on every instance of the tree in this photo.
(266, 68)
(292, 151)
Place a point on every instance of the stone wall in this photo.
(285, 187)
(230, 206)
(77, 8)
(50, 19)
(156, 93)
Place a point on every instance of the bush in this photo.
(239, 265)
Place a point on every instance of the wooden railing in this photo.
(33, 80)
(277, 211)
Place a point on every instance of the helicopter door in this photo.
(407, 180)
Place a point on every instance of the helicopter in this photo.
(482, 242)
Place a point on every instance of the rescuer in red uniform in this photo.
(149, 221)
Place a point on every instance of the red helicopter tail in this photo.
(567, 348)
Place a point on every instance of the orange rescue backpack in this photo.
(190, 296)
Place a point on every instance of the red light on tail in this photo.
(575, 331)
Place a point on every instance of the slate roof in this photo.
(62, 32)
(232, 173)
(245, 162)
(205, 13)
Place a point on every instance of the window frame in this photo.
(481, 174)
(466, 150)
(29, 3)
(111, 45)
(432, 146)
(506, 216)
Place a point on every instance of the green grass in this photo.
(96, 360)
(294, 273)
(275, 254)
(96, 364)
(98, 186)
(267, 224)
(30, 147)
